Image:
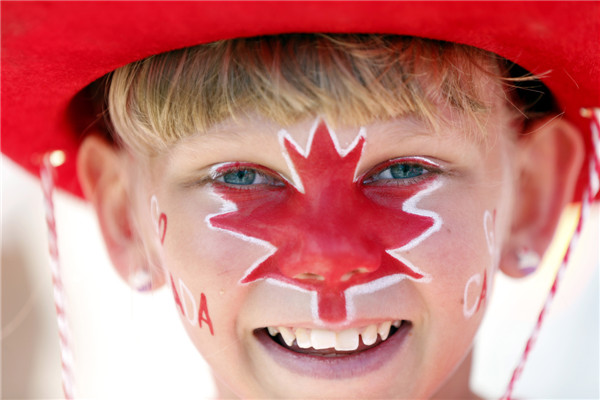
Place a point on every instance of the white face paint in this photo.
(154, 212)
(488, 228)
(468, 311)
(190, 309)
(159, 219)
(472, 306)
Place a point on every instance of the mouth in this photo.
(329, 344)
(329, 354)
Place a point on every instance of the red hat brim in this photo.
(52, 50)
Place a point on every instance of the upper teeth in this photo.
(346, 340)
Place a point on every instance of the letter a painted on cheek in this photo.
(328, 231)
(203, 315)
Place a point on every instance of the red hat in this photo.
(52, 50)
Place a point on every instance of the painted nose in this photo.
(332, 260)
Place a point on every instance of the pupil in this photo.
(241, 177)
(404, 171)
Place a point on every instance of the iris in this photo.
(405, 171)
(240, 177)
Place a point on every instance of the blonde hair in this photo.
(357, 79)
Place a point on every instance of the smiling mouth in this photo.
(327, 343)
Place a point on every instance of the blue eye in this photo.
(240, 177)
(237, 175)
(399, 173)
(404, 171)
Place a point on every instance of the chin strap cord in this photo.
(589, 194)
(47, 175)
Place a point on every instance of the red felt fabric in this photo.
(51, 50)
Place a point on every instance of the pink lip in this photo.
(335, 367)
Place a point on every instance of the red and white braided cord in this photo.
(47, 172)
(588, 197)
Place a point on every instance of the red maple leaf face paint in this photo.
(328, 232)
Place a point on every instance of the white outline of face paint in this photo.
(228, 207)
(155, 213)
(156, 216)
(283, 135)
(409, 206)
(183, 288)
(490, 240)
(490, 237)
(469, 312)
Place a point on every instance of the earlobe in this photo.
(101, 171)
(550, 156)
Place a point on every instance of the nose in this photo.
(331, 260)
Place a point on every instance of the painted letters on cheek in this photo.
(489, 222)
(325, 231)
(188, 307)
(186, 303)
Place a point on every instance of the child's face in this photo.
(332, 235)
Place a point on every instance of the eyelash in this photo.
(429, 169)
(270, 178)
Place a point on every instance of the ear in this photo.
(550, 156)
(102, 172)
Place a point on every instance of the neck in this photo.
(457, 386)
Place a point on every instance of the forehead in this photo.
(255, 139)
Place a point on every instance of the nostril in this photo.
(348, 275)
(309, 276)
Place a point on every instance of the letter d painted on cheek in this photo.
(202, 315)
(190, 315)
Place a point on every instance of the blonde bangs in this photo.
(348, 79)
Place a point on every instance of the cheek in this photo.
(192, 308)
(461, 259)
(461, 266)
(194, 249)
(204, 267)
(219, 259)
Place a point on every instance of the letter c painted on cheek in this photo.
(197, 315)
(475, 279)
(489, 226)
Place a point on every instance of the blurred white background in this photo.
(130, 345)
